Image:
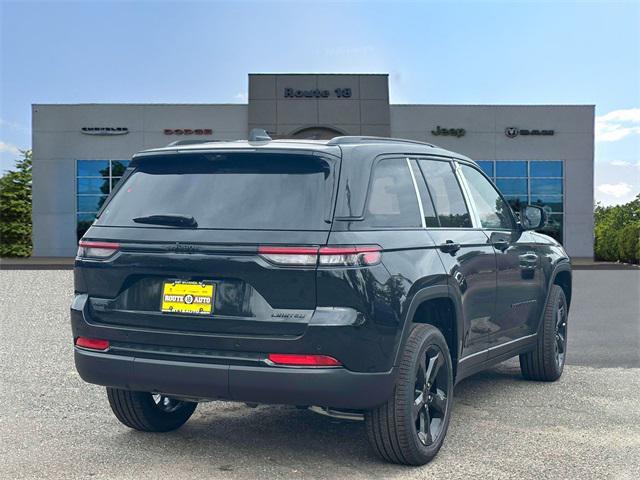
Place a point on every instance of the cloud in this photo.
(624, 163)
(9, 149)
(242, 96)
(617, 190)
(618, 124)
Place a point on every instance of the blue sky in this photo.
(452, 52)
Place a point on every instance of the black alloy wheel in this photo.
(430, 402)
(411, 426)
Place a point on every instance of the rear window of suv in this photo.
(266, 191)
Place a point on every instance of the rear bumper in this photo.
(328, 387)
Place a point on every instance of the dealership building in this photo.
(539, 154)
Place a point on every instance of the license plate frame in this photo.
(188, 297)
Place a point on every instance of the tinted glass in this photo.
(550, 203)
(84, 221)
(392, 198)
(118, 167)
(430, 218)
(546, 169)
(90, 203)
(512, 186)
(446, 193)
(228, 191)
(517, 202)
(486, 166)
(553, 227)
(99, 186)
(511, 169)
(93, 168)
(546, 186)
(492, 209)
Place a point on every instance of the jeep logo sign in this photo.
(453, 132)
(513, 132)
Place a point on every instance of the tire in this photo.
(149, 413)
(393, 429)
(546, 362)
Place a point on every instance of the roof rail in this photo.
(347, 140)
(194, 141)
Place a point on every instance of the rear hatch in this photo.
(184, 242)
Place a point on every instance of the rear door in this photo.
(214, 219)
(465, 252)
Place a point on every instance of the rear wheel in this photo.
(546, 361)
(149, 412)
(410, 428)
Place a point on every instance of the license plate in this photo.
(187, 297)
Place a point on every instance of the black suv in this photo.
(361, 277)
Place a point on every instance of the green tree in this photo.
(617, 232)
(15, 209)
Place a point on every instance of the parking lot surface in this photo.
(587, 425)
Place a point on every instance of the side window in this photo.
(430, 218)
(446, 193)
(494, 212)
(392, 198)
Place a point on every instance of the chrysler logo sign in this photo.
(104, 130)
(513, 132)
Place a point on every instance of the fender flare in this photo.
(432, 292)
(563, 266)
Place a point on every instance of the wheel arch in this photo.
(436, 306)
(563, 278)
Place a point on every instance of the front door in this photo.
(519, 275)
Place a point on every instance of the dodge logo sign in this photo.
(513, 132)
(188, 131)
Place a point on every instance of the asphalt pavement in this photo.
(587, 425)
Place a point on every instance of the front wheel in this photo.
(410, 428)
(148, 412)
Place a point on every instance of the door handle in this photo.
(449, 247)
(501, 245)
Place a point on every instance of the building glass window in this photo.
(534, 182)
(94, 181)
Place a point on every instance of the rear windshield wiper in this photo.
(173, 220)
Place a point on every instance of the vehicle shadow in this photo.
(236, 440)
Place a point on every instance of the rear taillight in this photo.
(332, 256)
(87, 249)
(349, 256)
(92, 343)
(295, 360)
(290, 255)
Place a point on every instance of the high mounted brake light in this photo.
(345, 256)
(87, 249)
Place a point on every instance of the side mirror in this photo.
(532, 217)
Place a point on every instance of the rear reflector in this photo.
(303, 360)
(92, 343)
(87, 249)
(346, 256)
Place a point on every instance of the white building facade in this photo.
(540, 154)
